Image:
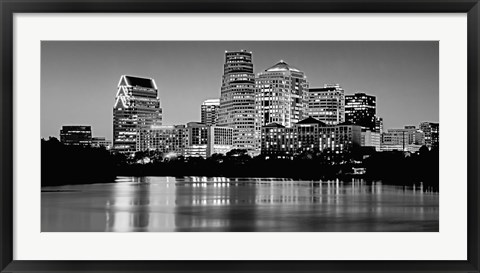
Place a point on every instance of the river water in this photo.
(158, 204)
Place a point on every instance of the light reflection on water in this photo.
(222, 204)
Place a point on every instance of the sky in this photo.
(79, 79)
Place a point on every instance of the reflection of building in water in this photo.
(141, 205)
(214, 204)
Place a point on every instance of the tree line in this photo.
(68, 164)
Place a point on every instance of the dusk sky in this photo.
(79, 79)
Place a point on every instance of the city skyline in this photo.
(381, 61)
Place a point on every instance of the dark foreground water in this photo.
(222, 204)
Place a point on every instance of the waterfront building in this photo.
(347, 138)
(278, 140)
(370, 139)
(98, 142)
(431, 131)
(209, 111)
(407, 139)
(167, 139)
(237, 98)
(360, 109)
(309, 131)
(220, 140)
(327, 104)
(314, 135)
(204, 141)
(197, 140)
(80, 135)
(136, 110)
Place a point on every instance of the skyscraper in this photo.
(136, 109)
(360, 109)
(327, 104)
(237, 101)
(281, 95)
(209, 111)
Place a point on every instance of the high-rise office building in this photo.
(237, 98)
(431, 131)
(360, 109)
(136, 109)
(280, 96)
(327, 104)
(76, 135)
(209, 111)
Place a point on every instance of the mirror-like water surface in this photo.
(158, 204)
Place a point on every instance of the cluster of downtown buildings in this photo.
(274, 113)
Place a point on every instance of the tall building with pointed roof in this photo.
(237, 98)
(280, 96)
(136, 110)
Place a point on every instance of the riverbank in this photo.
(62, 165)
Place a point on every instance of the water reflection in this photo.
(223, 204)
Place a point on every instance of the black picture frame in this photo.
(10, 7)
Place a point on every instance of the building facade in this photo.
(431, 131)
(406, 139)
(166, 139)
(76, 135)
(327, 104)
(309, 135)
(379, 125)
(360, 109)
(98, 142)
(237, 98)
(278, 140)
(204, 141)
(136, 110)
(344, 137)
(220, 140)
(280, 96)
(209, 111)
(371, 139)
(197, 140)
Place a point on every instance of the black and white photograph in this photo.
(239, 136)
